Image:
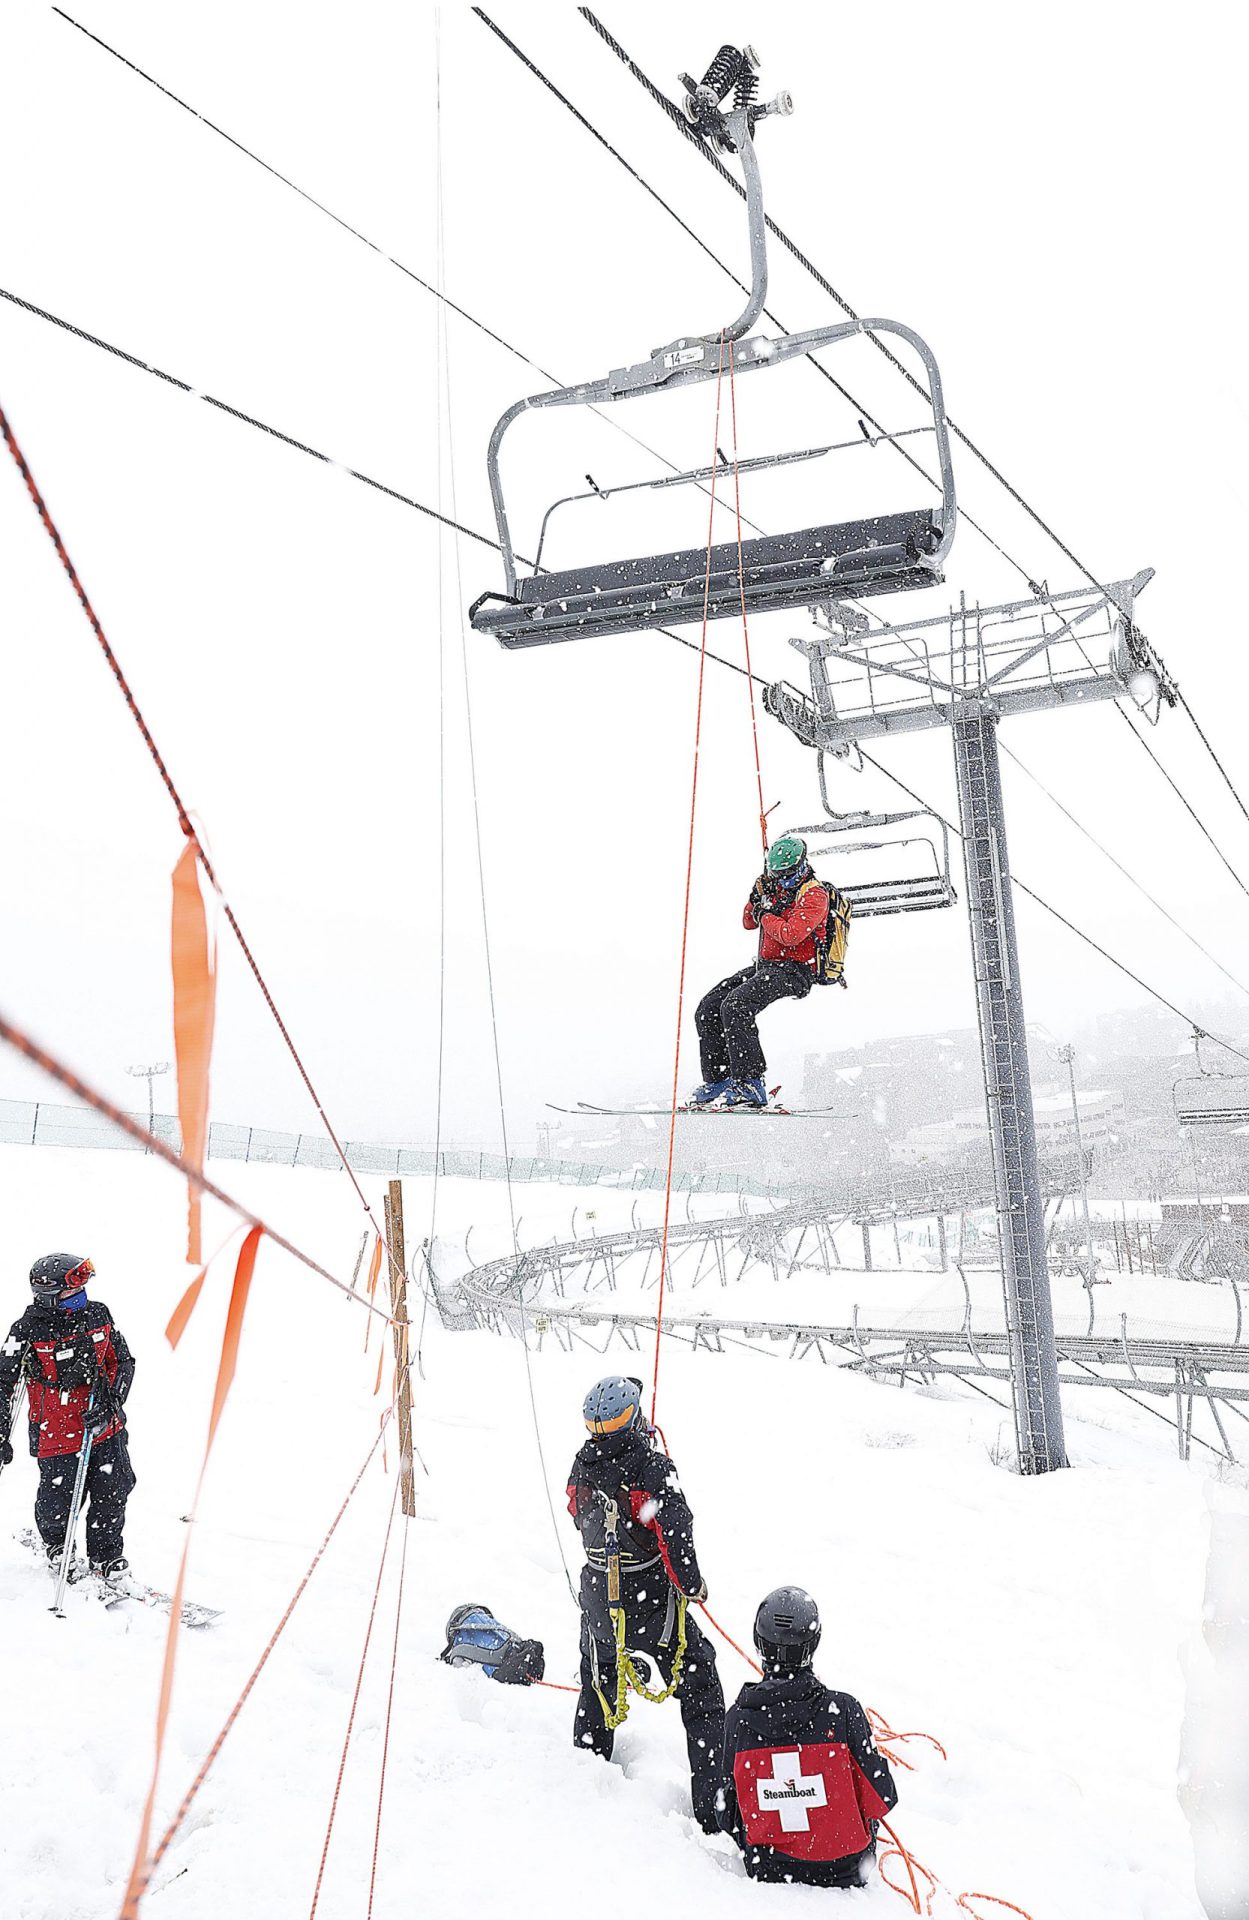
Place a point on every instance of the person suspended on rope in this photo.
(805, 1786)
(803, 925)
(641, 1571)
(77, 1370)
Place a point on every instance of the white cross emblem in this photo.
(790, 1792)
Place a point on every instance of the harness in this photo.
(627, 1674)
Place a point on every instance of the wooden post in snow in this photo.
(399, 1312)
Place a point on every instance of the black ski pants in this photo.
(110, 1482)
(727, 1017)
(650, 1627)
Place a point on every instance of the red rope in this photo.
(741, 581)
(685, 920)
(355, 1702)
(184, 819)
(390, 1702)
(202, 1771)
(729, 1638)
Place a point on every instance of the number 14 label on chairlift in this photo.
(683, 357)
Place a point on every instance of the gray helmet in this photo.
(58, 1275)
(613, 1405)
(787, 1629)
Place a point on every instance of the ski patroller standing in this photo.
(78, 1370)
(804, 1784)
(803, 924)
(641, 1569)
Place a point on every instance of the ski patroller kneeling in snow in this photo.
(78, 1371)
(804, 1785)
(638, 1534)
(803, 924)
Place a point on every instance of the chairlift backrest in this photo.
(884, 553)
(890, 890)
(1209, 1098)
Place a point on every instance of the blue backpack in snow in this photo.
(476, 1638)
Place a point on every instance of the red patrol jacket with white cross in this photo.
(67, 1355)
(804, 1778)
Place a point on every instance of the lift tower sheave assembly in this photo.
(966, 669)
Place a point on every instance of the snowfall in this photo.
(1038, 1628)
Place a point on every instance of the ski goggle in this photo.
(78, 1276)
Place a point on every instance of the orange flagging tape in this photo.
(375, 1267)
(194, 1006)
(141, 1869)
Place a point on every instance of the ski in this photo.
(584, 1107)
(80, 1575)
(194, 1615)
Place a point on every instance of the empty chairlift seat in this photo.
(888, 553)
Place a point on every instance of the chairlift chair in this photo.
(886, 553)
(894, 891)
(1209, 1098)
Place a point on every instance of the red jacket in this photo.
(65, 1355)
(790, 935)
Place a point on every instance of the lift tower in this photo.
(968, 669)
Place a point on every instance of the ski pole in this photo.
(14, 1413)
(75, 1507)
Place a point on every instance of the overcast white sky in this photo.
(1057, 204)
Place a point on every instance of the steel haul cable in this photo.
(300, 446)
(683, 126)
(437, 290)
(687, 130)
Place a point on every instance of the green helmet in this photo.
(787, 856)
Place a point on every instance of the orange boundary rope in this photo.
(21, 1042)
(355, 1702)
(689, 874)
(205, 1766)
(390, 1702)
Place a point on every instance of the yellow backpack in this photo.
(830, 939)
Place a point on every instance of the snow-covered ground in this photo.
(1034, 1627)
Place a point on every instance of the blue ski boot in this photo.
(751, 1095)
(709, 1091)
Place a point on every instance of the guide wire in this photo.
(445, 376)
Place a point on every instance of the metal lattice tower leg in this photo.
(1008, 1092)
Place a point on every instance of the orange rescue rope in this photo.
(685, 918)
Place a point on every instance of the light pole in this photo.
(1067, 1054)
(149, 1074)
